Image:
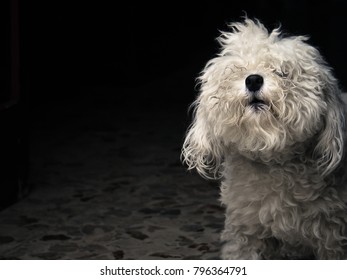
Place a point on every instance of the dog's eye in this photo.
(281, 73)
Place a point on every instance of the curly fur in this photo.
(281, 163)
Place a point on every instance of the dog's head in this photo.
(267, 97)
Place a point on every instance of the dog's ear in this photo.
(201, 149)
(330, 146)
(329, 143)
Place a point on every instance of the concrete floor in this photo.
(107, 181)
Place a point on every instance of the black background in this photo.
(68, 45)
(73, 51)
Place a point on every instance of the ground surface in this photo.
(107, 182)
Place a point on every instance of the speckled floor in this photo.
(108, 183)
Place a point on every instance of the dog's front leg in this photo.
(329, 237)
(241, 246)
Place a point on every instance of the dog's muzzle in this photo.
(254, 83)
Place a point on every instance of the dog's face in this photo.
(262, 96)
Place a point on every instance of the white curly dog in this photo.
(269, 121)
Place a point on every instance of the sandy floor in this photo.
(107, 182)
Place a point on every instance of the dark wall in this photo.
(65, 45)
(69, 47)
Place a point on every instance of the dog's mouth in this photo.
(257, 104)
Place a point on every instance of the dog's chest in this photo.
(254, 193)
(249, 189)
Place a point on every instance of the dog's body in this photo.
(269, 121)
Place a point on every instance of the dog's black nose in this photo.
(254, 82)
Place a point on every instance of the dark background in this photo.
(69, 49)
(68, 45)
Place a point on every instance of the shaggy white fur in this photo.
(269, 121)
